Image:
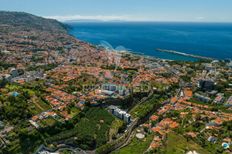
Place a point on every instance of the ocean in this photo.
(204, 39)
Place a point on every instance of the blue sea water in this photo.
(204, 39)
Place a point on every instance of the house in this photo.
(211, 125)
(109, 87)
(35, 118)
(192, 152)
(188, 93)
(218, 121)
(229, 101)
(173, 100)
(212, 93)
(154, 118)
(107, 92)
(81, 105)
(34, 124)
(47, 152)
(219, 98)
(8, 77)
(212, 139)
(49, 114)
(209, 67)
(16, 72)
(191, 134)
(202, 98)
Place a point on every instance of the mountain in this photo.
(25, 32)
(29, 21)
(30, 40)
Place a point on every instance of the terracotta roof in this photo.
(154, 118)
(192, 134)
(188, 92)
(154, 145)
(218, 121)
(35, 118)
(173, 99)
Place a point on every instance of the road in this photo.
(139, 122)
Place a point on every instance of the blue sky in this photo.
(129, 10)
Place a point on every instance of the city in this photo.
(59, 94)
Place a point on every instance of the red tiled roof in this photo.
(154, 118)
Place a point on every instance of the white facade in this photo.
(123, 115)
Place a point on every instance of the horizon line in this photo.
(145, 21)
(127, 18)
(120, 18)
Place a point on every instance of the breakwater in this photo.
(184, 54)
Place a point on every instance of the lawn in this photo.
(48, 122)
(177, 144)
(136, 146)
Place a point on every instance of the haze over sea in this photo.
(204, 39)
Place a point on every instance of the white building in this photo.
(123, 115)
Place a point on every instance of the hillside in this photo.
(23, 32)
(30, 41)
(28, 21)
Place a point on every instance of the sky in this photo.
(125, 10)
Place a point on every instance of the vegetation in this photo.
(21, 107)
(42, 67)
(6, 65)
(114, 128)
(83, 82)
(91, 131)
(17, 105)
(94, 126)
(141, 110)
(136, 146)
(177, 144)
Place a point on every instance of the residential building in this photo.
(219, 98)
(206, 85)
(123, 115)
(202, 98)
(229, 102)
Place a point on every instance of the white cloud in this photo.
(200, 18)
(64, 18)
(97, 17)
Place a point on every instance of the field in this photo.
(95, 126)
(91, 130)
(177, 144)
